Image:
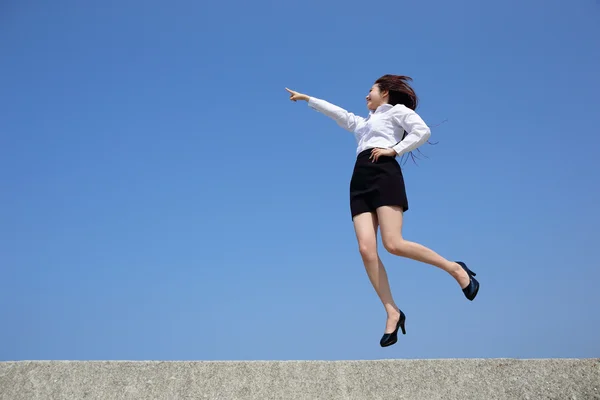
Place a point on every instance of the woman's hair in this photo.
(399, 90)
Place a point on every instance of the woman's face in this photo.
(375, 98)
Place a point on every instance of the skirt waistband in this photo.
(365, 154)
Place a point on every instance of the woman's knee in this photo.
(368, 250)
(395, 245)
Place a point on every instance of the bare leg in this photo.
(365, 227)
(391, 218)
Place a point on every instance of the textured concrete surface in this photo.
(482, 379)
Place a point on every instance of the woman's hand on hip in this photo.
(295, 96)
(378, 152)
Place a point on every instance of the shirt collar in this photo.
(381, 108)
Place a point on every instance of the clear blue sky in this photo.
(163, 199)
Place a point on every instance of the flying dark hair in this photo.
(400, 92)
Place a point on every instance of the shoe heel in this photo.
(402, 321)
(464, 266)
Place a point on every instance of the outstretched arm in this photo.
(417, 131)
(343, 118)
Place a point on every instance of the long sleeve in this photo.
(417, 132)
(345, 119)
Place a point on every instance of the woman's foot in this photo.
(392, 320)
(471, 287)
(460, 274)
(395, 321)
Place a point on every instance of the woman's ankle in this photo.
(391, 309)
(459, 274)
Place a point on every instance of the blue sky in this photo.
(163, 199)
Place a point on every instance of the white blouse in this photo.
(382, 128)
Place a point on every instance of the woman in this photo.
(377, 193)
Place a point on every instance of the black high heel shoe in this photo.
(389, 339)
(471, 290)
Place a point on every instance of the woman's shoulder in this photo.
(402, 109)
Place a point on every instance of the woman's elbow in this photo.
(426, 134)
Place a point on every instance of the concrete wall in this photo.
(482, 379)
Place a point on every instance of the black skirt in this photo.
(376, 184)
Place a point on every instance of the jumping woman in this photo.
(377, 193)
